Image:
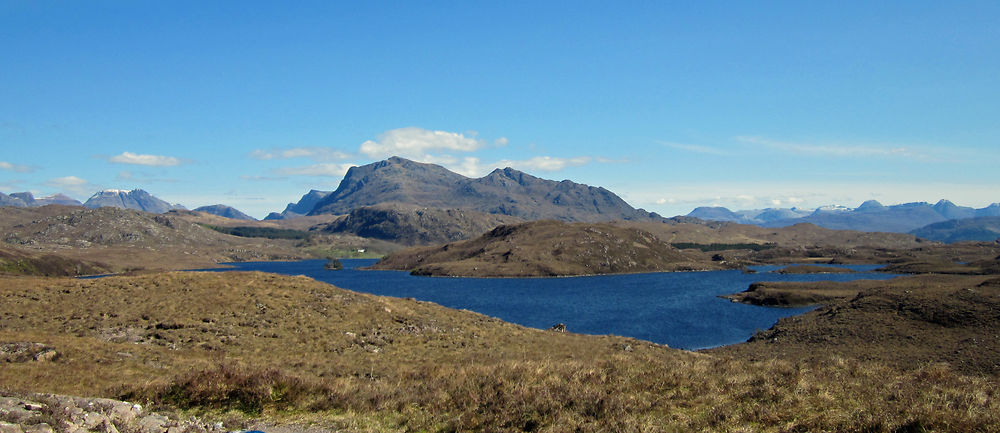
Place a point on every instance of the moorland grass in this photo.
(292, 350)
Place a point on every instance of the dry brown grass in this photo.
(550, 248)
(291, 349)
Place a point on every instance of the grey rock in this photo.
(6, 427)
(153, 423)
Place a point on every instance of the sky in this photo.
(671, 105)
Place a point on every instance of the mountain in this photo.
(414, 225)
(714, 213)
(755, 216)
(136, 199)
(991, 210)
(984, 229)
(7, 200)
(870, 216)
(302, 207)
(57, 199)
(225, 211)
(504, 191)
(26, 199)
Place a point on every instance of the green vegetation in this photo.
(721, 247)
(333, 264)
(260, 232)
(342, 253)
(13, 262)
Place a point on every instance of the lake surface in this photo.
(680, 309)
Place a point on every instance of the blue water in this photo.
(680, 309)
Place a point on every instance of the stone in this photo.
(153, 423)
(124, 413)
(6, 427)
(39, 428)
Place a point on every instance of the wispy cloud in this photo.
(72, 184)
(17, 168)
(545, 163)
(148, 160)
(143, 178)
(694, 148)
(315, 153)
(264, 178)
(324, 170)
(846, 150)
(414, 142)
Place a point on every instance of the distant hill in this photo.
(985, 229)
(135, 199)
(504, 192)
(26, 199)
(414, 225)
(301, 208)
(110, 226)
(870, 216)
(225, 211)
(549, 248)
(17, 262)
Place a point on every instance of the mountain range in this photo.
(504, 192)
(300, 208)
(26, 199)
(385, 197)
(136, 199)
(870, 216)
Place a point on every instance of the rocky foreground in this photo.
(290, 354)
(48, 413)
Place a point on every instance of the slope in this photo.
(504, 191)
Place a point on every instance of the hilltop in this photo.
(125, 239)
(548, 248)
(982, 229)
(300, 208)
(225, 211)
(870, 216)
(27, 199)
(504, 191)
(136, 199)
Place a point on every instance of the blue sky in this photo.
(671, 105)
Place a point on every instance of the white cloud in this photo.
(263, 178)
(327, 170)
(73, 185)
(315, 153)
(17, 168)
(68, 181)
(500, 142)
(546, 163)
(854, 151)
(143, 178)
(413, 142)
(693, 148)
(150, 160)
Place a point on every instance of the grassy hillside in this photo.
(292, 350)
(549, 248)
(904, 322)
(17, 262)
